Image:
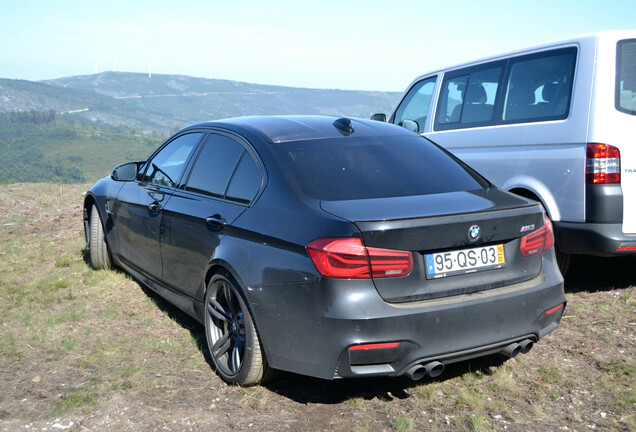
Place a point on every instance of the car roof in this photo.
(303, 127)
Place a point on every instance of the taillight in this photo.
(603, 165)
(348, 258)
(539, 241)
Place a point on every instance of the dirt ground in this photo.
(116, 357)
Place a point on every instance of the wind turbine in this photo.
(114, 60)
(96, 64)
(150, 61)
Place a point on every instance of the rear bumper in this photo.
(308, 328)
(593, 238)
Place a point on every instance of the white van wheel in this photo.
(563, 260)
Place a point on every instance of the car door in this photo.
(140, 204)
(223, 181)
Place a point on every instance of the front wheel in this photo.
(97, 247)
(232, 338)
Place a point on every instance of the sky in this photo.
(352, 45)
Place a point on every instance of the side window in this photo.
(539, 87)
(224, 169)
(166, 167)
(468, 99)
(626, 76)
(245, 182)
(215, 165)
(416, 103)
(452, 99)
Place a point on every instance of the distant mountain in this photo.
(188, 99)
(88, 107)
(164, 103)
(77, 129)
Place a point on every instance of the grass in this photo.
(101, 344)
(74, 401)
(56, 311)
(402, 422)
(480, 423)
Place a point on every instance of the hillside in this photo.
(42, 146)
(198, 99)
(93, 122)
(76, 104)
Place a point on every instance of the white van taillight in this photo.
(603, 165)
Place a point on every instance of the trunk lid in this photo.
(441, 223)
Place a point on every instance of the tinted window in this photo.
(539, 87)
(372, 167)
(452, 99)
(470, 98)
(416, 103)
(626, 76)
(246, 180)
(166, 168)
(215, 165)
(534, 87)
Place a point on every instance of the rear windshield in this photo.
(626, 76)
(373, 167)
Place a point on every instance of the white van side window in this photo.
(528, 88)
(416, 103)
(539, 88)
(626, 76)
(469, 99)
(453, 99)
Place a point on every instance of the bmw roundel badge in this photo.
(474, 232)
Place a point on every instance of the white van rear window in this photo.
(626, 76)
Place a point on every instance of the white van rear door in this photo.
(613, 113)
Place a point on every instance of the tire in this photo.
(97, 247)
(563, 260)
(231, 336)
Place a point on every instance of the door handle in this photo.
(216, 221)
(155, 207)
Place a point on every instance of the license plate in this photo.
(443, 264)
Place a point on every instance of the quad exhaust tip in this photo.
(419, 371)
(434, 369)
(514, 349)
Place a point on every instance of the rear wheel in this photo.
(232, 338)
(97, 247)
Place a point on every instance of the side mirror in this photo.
(381, 117)
(410, 125)
(125, 172)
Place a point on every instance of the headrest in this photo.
(476, 94)
(521, 94)
(549, 92)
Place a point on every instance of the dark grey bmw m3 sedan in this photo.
(330, 247)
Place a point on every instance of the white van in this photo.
(555, 122)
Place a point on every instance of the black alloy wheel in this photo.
(96, 242)
(231, 336)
